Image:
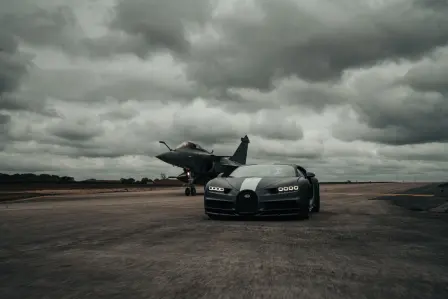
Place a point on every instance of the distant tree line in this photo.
(34, 178)
(143, 181)
(51, 179)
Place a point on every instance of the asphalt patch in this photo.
(416, 203)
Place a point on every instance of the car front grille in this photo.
(219, 205)
(281, 205)
(247, 202)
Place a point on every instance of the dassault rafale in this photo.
(200, 165)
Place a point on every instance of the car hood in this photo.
(255, 183)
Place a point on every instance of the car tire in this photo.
(213, 217)
(316, 208)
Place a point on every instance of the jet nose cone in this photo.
(162, 157)
(166, 157)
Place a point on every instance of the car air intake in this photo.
(247, 202)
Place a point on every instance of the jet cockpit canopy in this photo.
(190, 145)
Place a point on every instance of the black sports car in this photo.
(263, 190)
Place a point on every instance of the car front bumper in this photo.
(268, 205)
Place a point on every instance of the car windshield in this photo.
(264, 171)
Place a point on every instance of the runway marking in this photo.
(379, 194)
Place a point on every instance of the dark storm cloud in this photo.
(76, 130)
(13, 64)
(25, 21)
(412, 109)
(317, 47)
(49, 26)
(11, 102)
(5, 120)
(419, 118)
(431, 75)
(26, 102)
(41, 24)
(154, 25)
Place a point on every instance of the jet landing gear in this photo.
(190, 190)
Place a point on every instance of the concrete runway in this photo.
(160, 245)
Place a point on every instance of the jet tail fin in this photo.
(240, 154)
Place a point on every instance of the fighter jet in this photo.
(200, 165)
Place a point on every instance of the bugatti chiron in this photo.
(263, 190)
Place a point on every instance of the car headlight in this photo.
(288, 188)
(218, 189)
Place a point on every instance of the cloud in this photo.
(430, 152)
(144, 27)
(299, 38)
(399, 104)
(430, 74)
(5, 120)
(25, 22)
(13, 65)
(82, 129)
(41, 23)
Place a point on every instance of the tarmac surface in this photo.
(159, 244)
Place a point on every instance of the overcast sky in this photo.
(349, 89)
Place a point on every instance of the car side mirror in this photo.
(310, 174)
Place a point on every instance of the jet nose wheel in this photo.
(190, 191)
